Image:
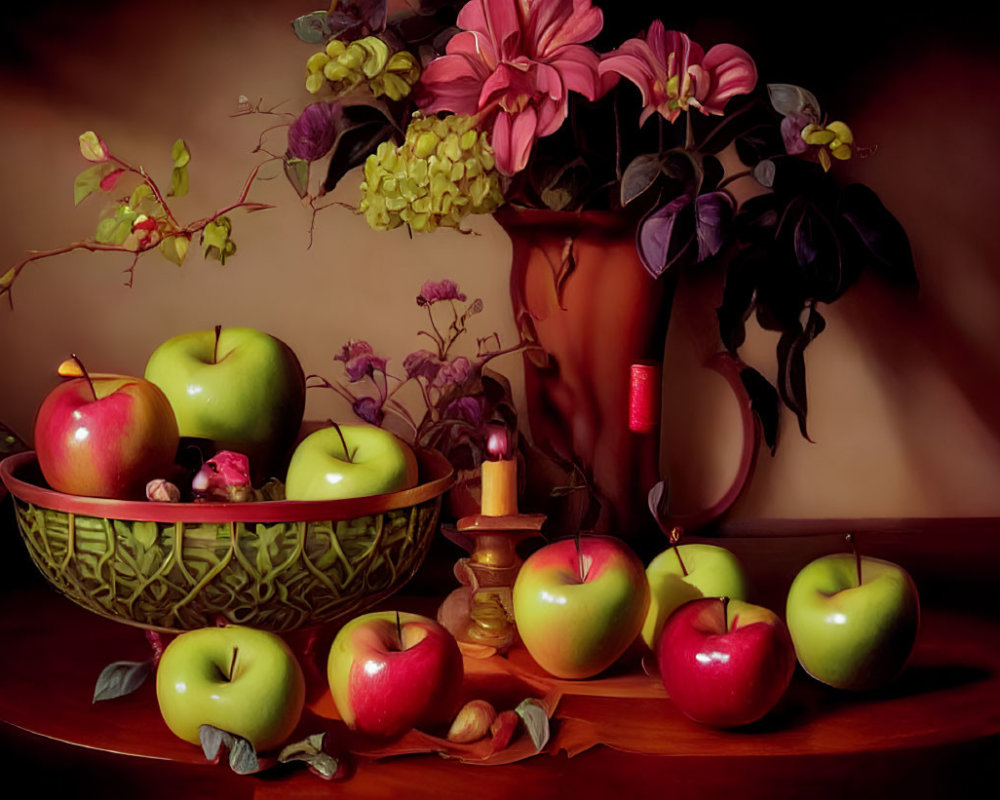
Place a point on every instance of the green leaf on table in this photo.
(311, 752)
(536, 721)
(242, 757)
(121, 678)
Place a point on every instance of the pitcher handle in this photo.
(729, 367)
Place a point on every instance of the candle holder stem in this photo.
(480, 613)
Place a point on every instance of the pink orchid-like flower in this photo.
(673, 73)
(514, 63)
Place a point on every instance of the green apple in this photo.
(853, 620)
(237, 679)
(579, 605)
(240, 388)
(686, 572)
(345, 461)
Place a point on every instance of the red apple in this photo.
(723, 663)
(579, 605)
(391, 672)
(105, 436)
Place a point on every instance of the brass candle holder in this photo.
(480, 614)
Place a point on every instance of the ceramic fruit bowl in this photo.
(278, 565)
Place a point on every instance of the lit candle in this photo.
(499, 478)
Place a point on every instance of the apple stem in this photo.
(215, 349)
(857, 556)
(581, 574)
(343, 441)
(83, 369)
(725, 613)
(675, 536)
(232, 664)
(399, 631)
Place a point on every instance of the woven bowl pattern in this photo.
(248, 563)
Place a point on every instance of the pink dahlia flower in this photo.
(514, 63)
(673, 73)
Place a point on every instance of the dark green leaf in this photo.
(121, 678)
(640, 175)
(362, 129)
(763, 403)
(738, 296)
(884, 240)
(563, 187)
(792, 366)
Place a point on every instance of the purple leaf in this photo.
(373, 13)
(422, 364)
(312, 135)
(369, 409)
(453, 372)
(467, 409)
(791, 134)
(713, 215)
(657, 250)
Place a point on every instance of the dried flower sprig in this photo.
(141, 220)
(461, 397)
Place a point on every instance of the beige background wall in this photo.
(902, 393)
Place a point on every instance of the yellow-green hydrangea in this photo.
(344, 65)
(443, 171)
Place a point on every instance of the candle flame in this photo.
(496, 443)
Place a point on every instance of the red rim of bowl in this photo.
(436, 475)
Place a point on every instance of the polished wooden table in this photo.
(935, 732)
